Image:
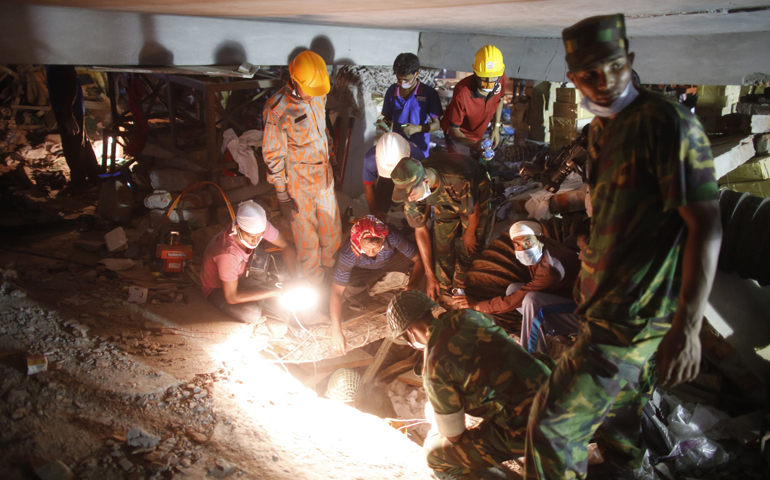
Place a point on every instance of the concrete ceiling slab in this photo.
(517, 18)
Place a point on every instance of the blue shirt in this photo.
(370, 162)
(394, 243)
(417, 109)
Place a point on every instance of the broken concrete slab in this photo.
(172, 180)
(732, 152)
(196, 199)
(196, 218)
(241, 194)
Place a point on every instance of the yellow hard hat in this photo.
(489, 62)
(308, 69)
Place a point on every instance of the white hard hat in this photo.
(391, 148)
(251, 217)
(525, 227)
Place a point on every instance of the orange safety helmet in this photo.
(308, 70)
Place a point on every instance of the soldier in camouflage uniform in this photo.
(458, 190)
(646, 272)
(470, 366)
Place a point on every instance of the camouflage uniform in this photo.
(462, 184)
(651, 158)
(472, 365)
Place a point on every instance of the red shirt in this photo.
(469, 110)
(224, 260)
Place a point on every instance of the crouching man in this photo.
(227, 257)
(373, 250)
(553, 269)
(470, 366)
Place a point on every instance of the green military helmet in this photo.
(344, 385)
(594, 39)
(405, 308)
(406, 175)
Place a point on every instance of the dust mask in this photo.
(406, 85)
(625, 99)
(530, 256)
(248, 245)
(418, 346)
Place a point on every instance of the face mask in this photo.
(407, 85)
(418, 346)
(487, 90)
(628, 96)
(252, 247)
(529, 256)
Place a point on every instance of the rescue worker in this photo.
(411, 108)
(296, 151)
(470, 366)
(227, 257)
(457, 188)
(373, 250)
(378, 163)
(647, 270)
(553, 269)
(477, 100)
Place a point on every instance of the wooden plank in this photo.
(30, 107)
(9, 71)
(410, 379)
(354, 359)
(399, 367)
(382, 352)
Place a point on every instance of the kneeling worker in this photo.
(470, 366)
(553, 269)
(227, 257)
(372, 251)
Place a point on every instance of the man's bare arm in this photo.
(680, 350)
(234, 296)
(422, 235)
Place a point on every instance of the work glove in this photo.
(287, 205)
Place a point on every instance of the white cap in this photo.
(251, 217)
(390, 149)
(525, 227)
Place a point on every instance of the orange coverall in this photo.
(296, 151)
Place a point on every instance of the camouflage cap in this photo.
(405, 308)
(406, 174)
(594, 39)
(344, 385)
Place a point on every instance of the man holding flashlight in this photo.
(647, 270)
(227, 257)
(374, 249)
(471, 366)
(476, 100)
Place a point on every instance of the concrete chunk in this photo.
(752, 109)
(760, 123)
(230, 183)
(172, 180)
(197, 199)
(136, 437)
(762, 144)
(54, 471)
(731, 153)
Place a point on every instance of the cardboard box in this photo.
(566, 95)
(758, 168)
(116, 240)
(562, 109)
(563, 124)
(760, 188)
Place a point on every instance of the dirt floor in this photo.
(169, 387)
